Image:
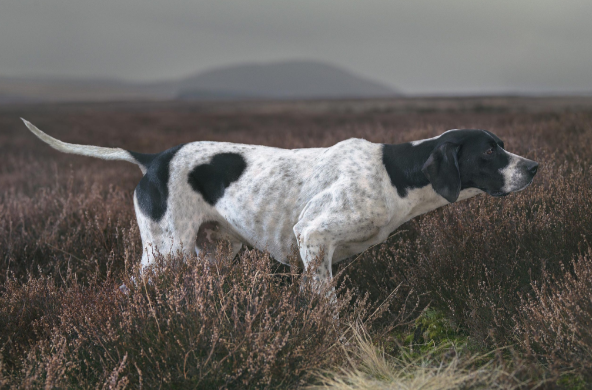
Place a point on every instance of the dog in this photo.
(331, 203)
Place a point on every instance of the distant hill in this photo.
(281, 80)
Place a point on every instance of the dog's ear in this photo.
(442, 171)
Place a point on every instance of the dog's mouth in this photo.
(526, 185)
(499, 193)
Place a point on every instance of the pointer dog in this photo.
(332, 202)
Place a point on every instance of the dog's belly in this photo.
(263, 212)
(267, 227)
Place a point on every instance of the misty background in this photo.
(131, 49)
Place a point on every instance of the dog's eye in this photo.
(489, 151)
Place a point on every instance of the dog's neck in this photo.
(423, 200)
(403, 163)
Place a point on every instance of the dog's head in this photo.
(476, 159)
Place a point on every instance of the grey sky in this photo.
(421, 46)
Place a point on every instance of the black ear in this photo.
(442, 171)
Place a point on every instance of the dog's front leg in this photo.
(316, 251)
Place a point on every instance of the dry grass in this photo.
(442, 368)
(505, 272)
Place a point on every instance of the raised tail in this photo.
(140, 159)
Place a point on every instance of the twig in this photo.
(63, 251)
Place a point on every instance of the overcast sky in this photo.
(419, 47)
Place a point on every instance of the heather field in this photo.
(485, 293)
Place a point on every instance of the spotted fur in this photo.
(332, 203)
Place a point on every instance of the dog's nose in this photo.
(532, 167)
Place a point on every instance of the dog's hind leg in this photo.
(168, 236)
(209, 235)
(205, 242)
(157, 240)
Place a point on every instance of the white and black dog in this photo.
(332, 202)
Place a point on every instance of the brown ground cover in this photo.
(506, 273)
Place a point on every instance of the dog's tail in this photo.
(141, 159)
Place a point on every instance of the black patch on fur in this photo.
(403, 164)
(144, 159)
(211, 180)
(153, 191)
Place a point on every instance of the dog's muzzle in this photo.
(530, 169)
(517, 176)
